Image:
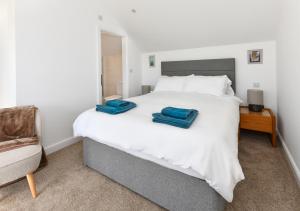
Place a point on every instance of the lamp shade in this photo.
(255, 98)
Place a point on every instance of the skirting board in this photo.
(61, 144)
(291, 160)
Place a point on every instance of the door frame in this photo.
(125, 70)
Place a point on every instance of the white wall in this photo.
(57, 60)
(246, 74)
(288, 55)
(7, 59)
(135, 69)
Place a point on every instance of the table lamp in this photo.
(255, 98)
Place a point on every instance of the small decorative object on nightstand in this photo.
(263, 121)
(146, 89)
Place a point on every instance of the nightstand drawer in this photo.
(257, 123)
(264, 121)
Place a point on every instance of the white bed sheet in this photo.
(207, 150)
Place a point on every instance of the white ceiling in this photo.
(177, 24)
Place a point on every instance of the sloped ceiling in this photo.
(178, 24)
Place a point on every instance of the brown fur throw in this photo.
(17, 127)
(16, 143)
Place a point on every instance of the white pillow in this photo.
(214, 85)
(228, 81)
(172, 83)
(230, 91)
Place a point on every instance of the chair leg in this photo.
(31, 183)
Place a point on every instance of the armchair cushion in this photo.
(16, 163)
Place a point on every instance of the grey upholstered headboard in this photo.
(201, 67)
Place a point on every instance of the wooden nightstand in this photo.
(264, 121)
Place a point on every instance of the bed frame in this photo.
(168, 188)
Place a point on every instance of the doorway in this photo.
(112, 66)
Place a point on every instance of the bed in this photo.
(179, 169)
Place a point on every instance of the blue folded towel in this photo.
(183, 123)
(115, 110)
(180, 113)
(117, 103)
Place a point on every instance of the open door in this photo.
(112, 74)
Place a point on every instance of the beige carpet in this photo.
(65, 184)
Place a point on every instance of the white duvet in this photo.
(209, 147)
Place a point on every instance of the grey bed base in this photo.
(170, 189)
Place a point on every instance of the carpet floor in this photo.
(66, 184)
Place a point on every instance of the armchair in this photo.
(23, 160)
